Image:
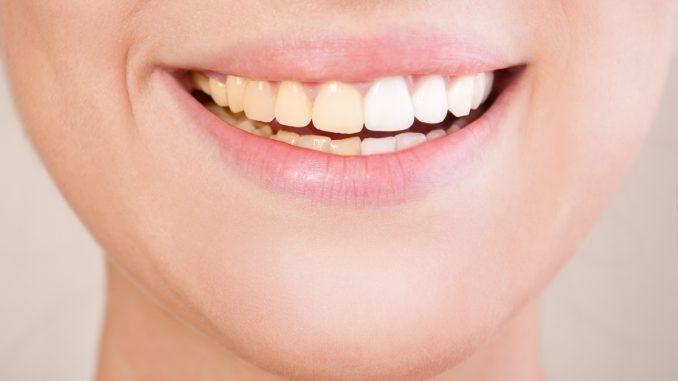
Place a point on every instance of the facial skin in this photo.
(318, 291)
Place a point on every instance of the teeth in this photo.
(435, 134)
(388, 106)
(220, 112)
(218, 92)
(246, 125)
(460, 95)
(314, 142)
(293, 107)
(479, 83)
(348, 146)
(200, 82)
(489, 82)
(235, 90)
(264, 131)
(409, 139)
(338, 108)
(371, 146)
(430, 99)
(259, 101)
(286, 136)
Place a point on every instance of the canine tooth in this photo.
(489, 82)
(264, 131)
(200, 82)
(409, 139)
(479, 83)
(286, 136)
(218, 92)
(314, 142)
(435, 134)
(293, 107)
(430, 99)
(388, 106)
(259, 101)
(460, 95)
(347, 146)
(378, 145)
(235, 90)
(338, 108)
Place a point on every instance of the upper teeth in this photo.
(339, 107)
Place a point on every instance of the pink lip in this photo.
(313, 56)
(351, 181)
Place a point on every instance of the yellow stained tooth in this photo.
(259, 101)
(314, 142)
(293, 107)
(235, 92)
(200, 82)
(338, 108)
(264, 131)
(246, 125)
(286, 136)
(348, 146)
(218, 92)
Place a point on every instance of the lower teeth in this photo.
(364, 143)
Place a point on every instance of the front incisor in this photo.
(293, 107)
(338, 108)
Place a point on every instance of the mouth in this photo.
(359, 143)
(388, 115)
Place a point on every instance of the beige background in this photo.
(611, 315)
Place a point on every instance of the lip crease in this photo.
(351, 181)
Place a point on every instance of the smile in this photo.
(390, 114)
(411, 114)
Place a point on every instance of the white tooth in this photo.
(218, 92)
(460, 95)
(235, 89)
(378, 145)
(388, 106)
(479, 83)
(314, 142)
(489, 82)
(435, 134)
(409, 139)
(430, 99)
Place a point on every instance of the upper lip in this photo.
(318, 57)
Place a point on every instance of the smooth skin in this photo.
(213, 278)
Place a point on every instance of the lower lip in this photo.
(348, 181)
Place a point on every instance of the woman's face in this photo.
(300, 262)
